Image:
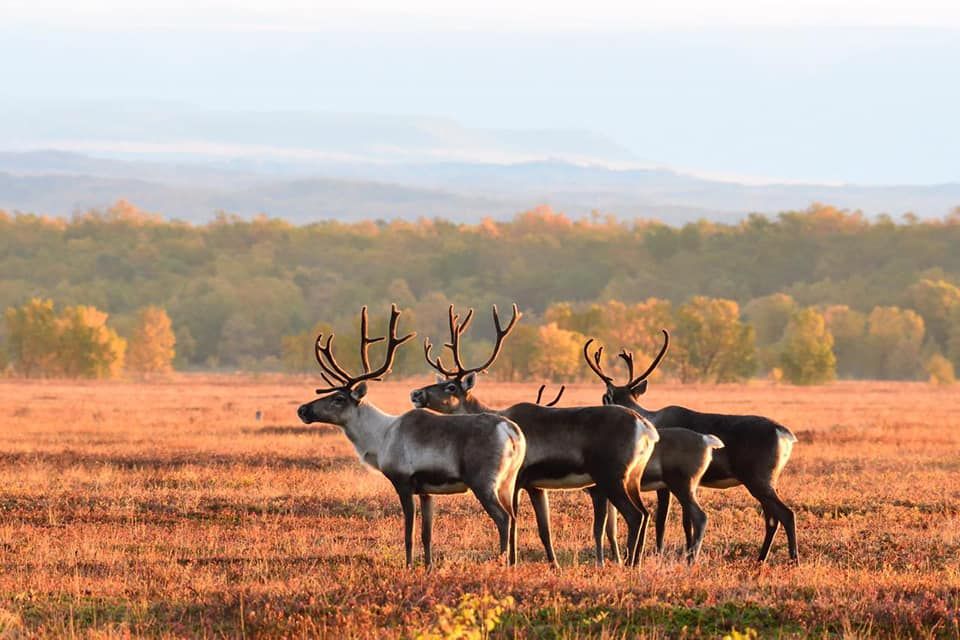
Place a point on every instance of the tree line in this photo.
(77, 342)
(805, 295)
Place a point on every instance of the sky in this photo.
(536, 15)
(806, 90)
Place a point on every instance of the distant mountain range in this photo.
(301, 166)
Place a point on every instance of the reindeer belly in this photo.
(719, 475)
(443, 489)
(436, 483)
(721, 483)
(652, 478)
(568, 482)
(556, 475)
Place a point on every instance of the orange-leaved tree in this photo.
(151, 348)
(88, 348)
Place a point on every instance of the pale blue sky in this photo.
(841, 92)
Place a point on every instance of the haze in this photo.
(751, 92)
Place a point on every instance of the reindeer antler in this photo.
(627, 357)
(366, 341)
(330, 366)
(456, 331)
(595, 363)
(563, 388)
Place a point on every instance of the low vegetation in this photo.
(197, 506)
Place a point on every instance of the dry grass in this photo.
(166, 509)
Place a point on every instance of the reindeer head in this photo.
(341, 400)
(627, 394)
(451, 393)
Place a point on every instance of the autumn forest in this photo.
(806, 296)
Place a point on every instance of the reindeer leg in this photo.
(426, 527)
(633, 492)
(775, 513)
(694, 519)
(500, 516)
(508, 494)
(617, 494)
(611, 531)
(512, 550)
(771, 524)
(406, 503)
(600, 520)
(663, 510)
(698, 518)
(687, 523)
(541, 509)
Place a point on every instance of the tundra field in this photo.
(167, 509)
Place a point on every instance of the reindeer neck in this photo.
(472, 404)
(368, 430)
(649, 415)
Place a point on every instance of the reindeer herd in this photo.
(452, 442)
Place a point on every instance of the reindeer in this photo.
(755, 451)
(679, 460)
(420, 452)
(605, 448)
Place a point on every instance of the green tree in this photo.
(936, 301)
(298, 353)
(895, 340)
(32, 337)
(806, 355)
(712, 343)
(953, 338)
(517, 358)
(769, 316)
(849, 329)
(151, 348)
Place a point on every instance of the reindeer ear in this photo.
(468, 381)
(639, 389)
(359, 391)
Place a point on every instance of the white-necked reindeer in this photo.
(422, 453)
(756, 449)
(605, 448)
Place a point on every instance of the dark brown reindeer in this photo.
(756, 449)
(420, 452)
(571, 448)
(679, 460)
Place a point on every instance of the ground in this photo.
(167, 508)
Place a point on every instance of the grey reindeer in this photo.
(421, 452)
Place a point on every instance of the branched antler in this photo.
(341, 379)
(627, 357)
(365, 341)
(595, 363)
(456, 331)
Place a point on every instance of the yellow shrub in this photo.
(473, 618)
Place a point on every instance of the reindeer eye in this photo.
(451, 388)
